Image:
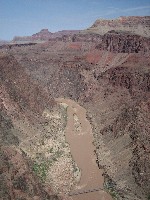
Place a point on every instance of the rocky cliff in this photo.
(135, 25)
(124, 42)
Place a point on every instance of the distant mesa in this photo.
(132, 25)
(45, 35)
(2, 42)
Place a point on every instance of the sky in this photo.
(26, 17)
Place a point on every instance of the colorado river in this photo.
(79, 136)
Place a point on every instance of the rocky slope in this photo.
(21, 102)
(32, 138)
(121, 128)
(108, 75)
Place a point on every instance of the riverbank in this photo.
(79, 136)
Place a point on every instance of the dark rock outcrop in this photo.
(21, 89)
(133, 80)
(123, 42)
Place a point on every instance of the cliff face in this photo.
(126, 132)
(135, 25)
(124, 43)
(132, 79)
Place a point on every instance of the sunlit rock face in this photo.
(134, 25)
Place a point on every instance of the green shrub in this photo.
(41, 170)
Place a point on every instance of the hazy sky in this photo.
(25, 17)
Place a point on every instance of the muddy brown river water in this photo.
(79, 136)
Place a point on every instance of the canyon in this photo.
(76, 103)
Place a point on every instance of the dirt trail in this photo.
(82, 150)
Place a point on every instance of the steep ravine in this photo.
(107, 75)
(79, 136)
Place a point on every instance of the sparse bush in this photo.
(109, 185)
(51, 150)
(41, 170)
